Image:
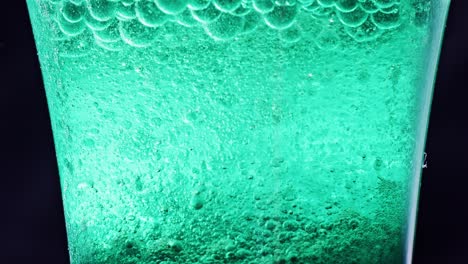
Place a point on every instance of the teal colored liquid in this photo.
(231, 131)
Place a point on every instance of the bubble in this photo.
(198, 4)
(369, 6)
(263, 6)
(251, 21)
(323, 12)
(125, 12)
(175, 245)
(353, 224)
(306, 2)
(227, 5)
(95, 24)
(76, 47)
(49, 10)
(391, 9)
(171, 7)
(281, 17)
(241, 11)
(378, 164)
(136, 34)
(262, 205)
(366, 32)
(196, 202)
(110, 46)
(289, 195)
(290, 225)
(109, 34)
(326, 3)
(226, 27)
(271, 225)
(385, 3)
(186, 19)
(242, 253)
(421, 14)
(327, 39)
(346, 5)
(72, 12)
(311, 7)
(57, 33)
(386, 21)
(283, 237)
(89, 142)
(149, 14)
(292, 34)
(101, 10)
(310, 228)
(206, 15)
(68, 28)
(354, 18)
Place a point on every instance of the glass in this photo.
(239, 131)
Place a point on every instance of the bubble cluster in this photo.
(137, 21)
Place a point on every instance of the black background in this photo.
(32, 228)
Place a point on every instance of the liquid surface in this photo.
(234, 131)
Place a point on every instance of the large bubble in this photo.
(291, 34)
(110, 33)
(72, 12)
(111, 46)
(346, 5)
(306, 2)
(285, 2)
(206, 15)
(136, 34)
(49, 10)
(101, 10)
(94, 24)
(263, 6)
(172, 7)
(385, 3)
(68, 28)
(366, 32)
(323, 12)
(186, 19)
(125, 12)
(251, 21)
(198, 4)
(149, 14)
(326, 3)
(354, 18)
(281, 17)
(327, 39)
(56, 32)
(226, 27)
(369, 6)
(311, 7)
(386, 21)
(227, 5)
(241, 11)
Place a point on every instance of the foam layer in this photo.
(231, 17)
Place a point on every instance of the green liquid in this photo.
(235, 131)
